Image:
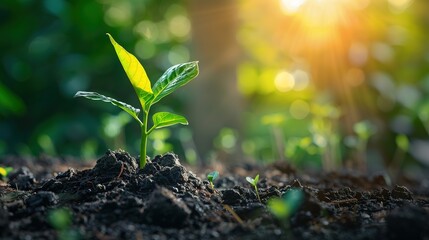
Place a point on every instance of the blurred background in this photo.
(317, 84)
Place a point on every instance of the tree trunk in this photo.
(216, 103)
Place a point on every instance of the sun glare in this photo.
(291, 6)
(322, 32)
(321, 18)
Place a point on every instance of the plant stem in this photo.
(257, 194)
(145, 135)
(143, 148)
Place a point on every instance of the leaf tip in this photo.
(112, 40)
(77, 94)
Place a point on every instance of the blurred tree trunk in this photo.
(216, 103)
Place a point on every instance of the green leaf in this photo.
(402, 142)
(60, 218)
(284, 207)
(250, 180)
(175, 77)
(165, 119)
(135, 72)
(256, 180)
(3, 172)
(278, 207)
(98, 97)
(212, 176)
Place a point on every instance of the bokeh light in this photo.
(284, 81)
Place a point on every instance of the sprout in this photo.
(212, 176)
(254, 182)
(287, 205)
(174, 78)
(364, 130)
(4, 171)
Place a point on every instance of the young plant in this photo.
(4, 172)
(212, 176)
(61, 220)
(287, 205)
(364, 130)
(175, 77)
(403, 147)
(254, 182)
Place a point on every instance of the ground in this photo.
(116, 200)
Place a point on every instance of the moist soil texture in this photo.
(116, 200)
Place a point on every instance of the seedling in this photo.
(287, 205)
(403, 146)
(61, 220)
(4, 172)
(212, 176)
(254, 182)
(364, 130)
(175, 77)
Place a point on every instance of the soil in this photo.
(116, 200)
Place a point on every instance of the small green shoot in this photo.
(364, 130)
(212, 176)
(254, 182)
(4, 172)
(284, 207)
(174, 78)
(403, 146)
(61, 220)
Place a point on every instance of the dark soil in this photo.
(116, 200)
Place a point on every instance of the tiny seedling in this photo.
(175, 77)
(4, 172)
(403, 147)
(254, 182)
(61, 220)
(287, 205)
(364, 130)
(212, 176)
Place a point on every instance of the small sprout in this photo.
(284, 207)
(212, 176)
(4, 172)
(174, 78)
(254, 182)
(403, 146)
(60, 218)
(364, 130)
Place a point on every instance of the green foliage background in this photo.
(50, 49)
